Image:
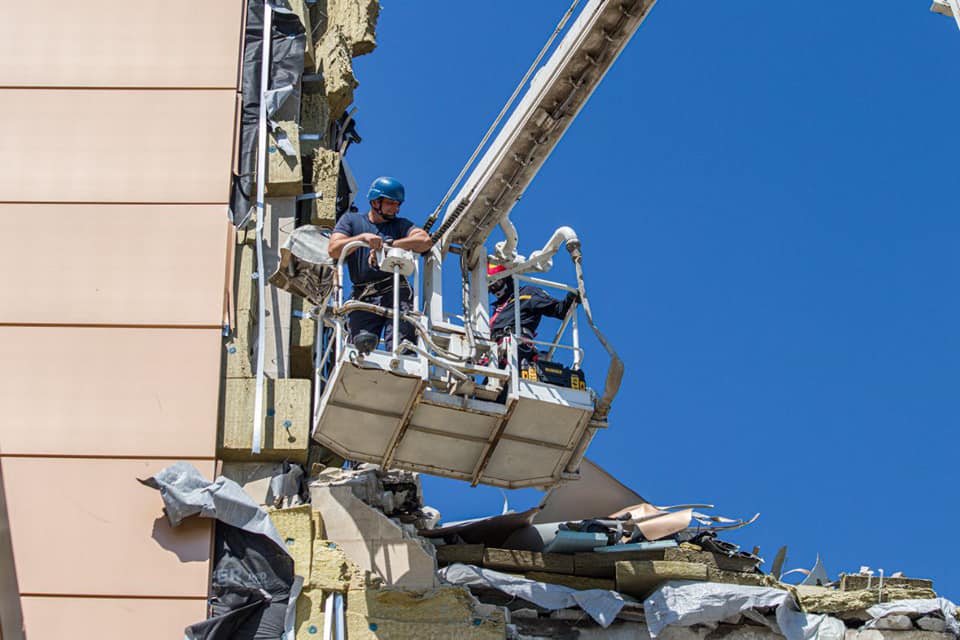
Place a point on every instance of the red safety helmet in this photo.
(495, 268)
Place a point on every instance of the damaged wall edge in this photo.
(11, 615)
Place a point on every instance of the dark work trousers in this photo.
(382, 295)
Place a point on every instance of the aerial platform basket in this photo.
(381, 409)
(428, 407)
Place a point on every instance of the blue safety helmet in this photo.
(386, 187)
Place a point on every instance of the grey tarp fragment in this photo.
(243, 606)
(186, 492)
(916, 608)
(684, 603)
(602, 605)
(285, 488)
(306, 268)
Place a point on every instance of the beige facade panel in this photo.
(77, 145)
(109, 391)
(85, 526)
(98, 43)
(115, 264)
(59, 618)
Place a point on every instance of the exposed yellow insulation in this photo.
(284, 172)
(295, 526)
(326, 170)
(286, 425)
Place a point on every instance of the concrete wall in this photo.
(115, 158)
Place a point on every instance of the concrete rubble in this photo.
(364, 529)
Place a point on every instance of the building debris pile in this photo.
(362, 553)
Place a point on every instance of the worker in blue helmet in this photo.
(378, 227)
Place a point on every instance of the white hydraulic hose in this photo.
(506, 251)
(265, 45)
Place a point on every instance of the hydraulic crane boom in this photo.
(557, 93)
(457, 401)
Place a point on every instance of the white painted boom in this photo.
(557, 93)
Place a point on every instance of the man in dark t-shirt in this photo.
(378, 227)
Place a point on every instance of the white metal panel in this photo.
(362, 408)
(444, 454)
(547, 421)
(521, 464)
(454, 421)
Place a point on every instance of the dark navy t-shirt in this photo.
(353, 224)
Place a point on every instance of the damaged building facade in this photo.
(131, 502)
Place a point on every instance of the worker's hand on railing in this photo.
(372, 240)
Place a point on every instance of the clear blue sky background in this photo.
(767, 201)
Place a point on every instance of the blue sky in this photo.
(767, 202)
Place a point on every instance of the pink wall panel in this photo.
(100, 43)
(60, 618)
(77, 145)
(87, 527)
(109, 391)
(115, 264)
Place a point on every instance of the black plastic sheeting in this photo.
(254, 589)
(286, 68)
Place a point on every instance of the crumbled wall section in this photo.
(326, 168)
(333, 51)
(358, 19)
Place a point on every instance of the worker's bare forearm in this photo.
(418, 240)
(338, 241)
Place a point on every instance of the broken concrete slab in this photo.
(393, 491)
(640, 578)
(286, 420)
(371, 540)
(895, 622)
(928, 623)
